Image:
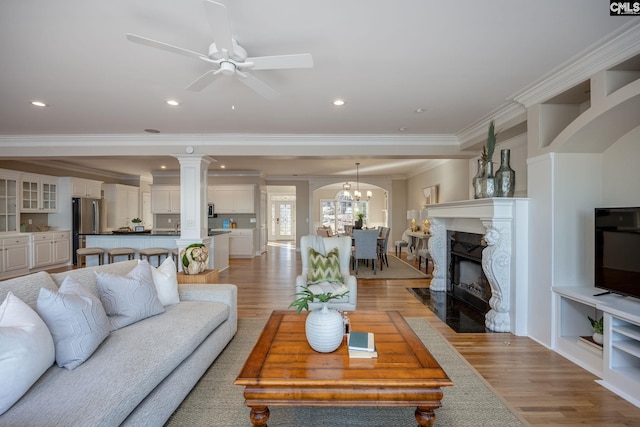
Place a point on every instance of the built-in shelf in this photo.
(619, 364)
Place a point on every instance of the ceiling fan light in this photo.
(227, 68)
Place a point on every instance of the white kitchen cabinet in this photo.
(230, 199)
(50, 248)
(241, 243)
(165, 199)
(41, 250)
(39, 193)
(81, 187)
(123, 204)
(14, 255)
(8, 202)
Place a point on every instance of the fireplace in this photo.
(465, 279)
(502, 223)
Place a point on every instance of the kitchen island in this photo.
(218, 251)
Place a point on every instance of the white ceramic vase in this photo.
(597, 338)
(325, 329)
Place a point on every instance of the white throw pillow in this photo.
(26, 350)
(166, 280)
(76, 319)
(128, 299)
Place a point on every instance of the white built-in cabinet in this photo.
(87, 188)
(14, 255)
(230, 199)
(123, 204)
(165, 199)
(241, 243)
(50, 248)
(8, 201)
(618, 363)
(39, 193)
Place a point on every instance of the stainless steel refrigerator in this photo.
(86, 220)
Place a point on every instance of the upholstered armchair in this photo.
(343, 244)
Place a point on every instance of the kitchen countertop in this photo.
(162, 233)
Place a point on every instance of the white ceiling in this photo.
(459, 61)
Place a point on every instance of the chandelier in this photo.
(357, 194)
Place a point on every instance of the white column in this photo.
(193, 201)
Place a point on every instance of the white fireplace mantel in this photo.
(504, 223)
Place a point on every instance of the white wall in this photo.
(621, 177)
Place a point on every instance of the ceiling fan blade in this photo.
(257, 85)
(302, 60)
(164, 46)
(219, 21)
(204, 80)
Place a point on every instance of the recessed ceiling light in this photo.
(233, 107)
(338, 102)
(403, 129)
(152, 130)
(173, 102)
(163, 167)
(222, 166)
(38, 104)
(420, 110)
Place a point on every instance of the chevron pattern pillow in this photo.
(324, 268)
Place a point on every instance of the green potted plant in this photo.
(598, 328)
(313, 293)
(324, 328)
(359, 220)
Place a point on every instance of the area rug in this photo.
(397, 269)
(216, 401)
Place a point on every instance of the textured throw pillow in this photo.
(76, 319)
(26, 350)
(128, 299)
(324, 268)
(166, 281)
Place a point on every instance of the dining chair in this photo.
(365, 247)
(382, 245)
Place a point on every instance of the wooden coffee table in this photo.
(283, 370)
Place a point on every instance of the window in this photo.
(341, 211)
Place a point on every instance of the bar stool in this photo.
(116, 252)
(175, 255)
(151, 252)
(83, 253)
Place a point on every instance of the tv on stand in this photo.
(617, 250)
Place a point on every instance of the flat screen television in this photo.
(617, 250)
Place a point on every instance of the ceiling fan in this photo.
(229, 57)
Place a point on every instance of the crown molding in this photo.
(508, 115)
(124, 140)
(611, 50)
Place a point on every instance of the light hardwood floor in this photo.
(539, 385)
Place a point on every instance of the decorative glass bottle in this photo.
(477, 191)
(487, 182)
(505, 178)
